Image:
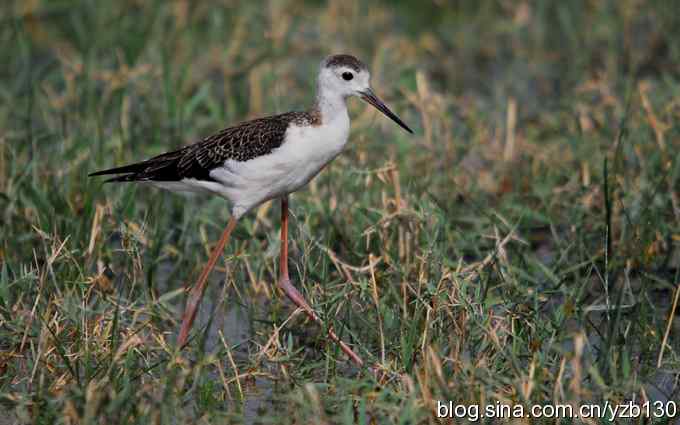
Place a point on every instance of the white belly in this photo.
(305, 151)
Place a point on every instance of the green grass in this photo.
(522, 248)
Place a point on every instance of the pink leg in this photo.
(196, 294)
(293, 294)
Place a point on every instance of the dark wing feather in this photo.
(241, 142)
(161, 167)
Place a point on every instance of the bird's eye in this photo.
(347, 76)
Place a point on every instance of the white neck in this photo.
(330, 104)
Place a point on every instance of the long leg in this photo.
(196, 294)
(293, 294)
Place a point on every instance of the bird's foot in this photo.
(294, 295)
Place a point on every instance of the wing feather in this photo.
(241, 142)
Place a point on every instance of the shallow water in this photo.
(223, 312)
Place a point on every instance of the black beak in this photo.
(371, 98)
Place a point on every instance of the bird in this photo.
(264, 159)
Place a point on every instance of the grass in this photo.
(522, 248)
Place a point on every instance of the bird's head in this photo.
(346, 76)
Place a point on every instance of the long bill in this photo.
(374, 100)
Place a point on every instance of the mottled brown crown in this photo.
(348, 61)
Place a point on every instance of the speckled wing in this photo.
(241, 142)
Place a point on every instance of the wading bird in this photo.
(263, 159)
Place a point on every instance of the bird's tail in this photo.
(161, 167)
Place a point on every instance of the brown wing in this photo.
(241, 142)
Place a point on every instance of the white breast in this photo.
(305, 151)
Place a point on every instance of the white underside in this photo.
(305, 151)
